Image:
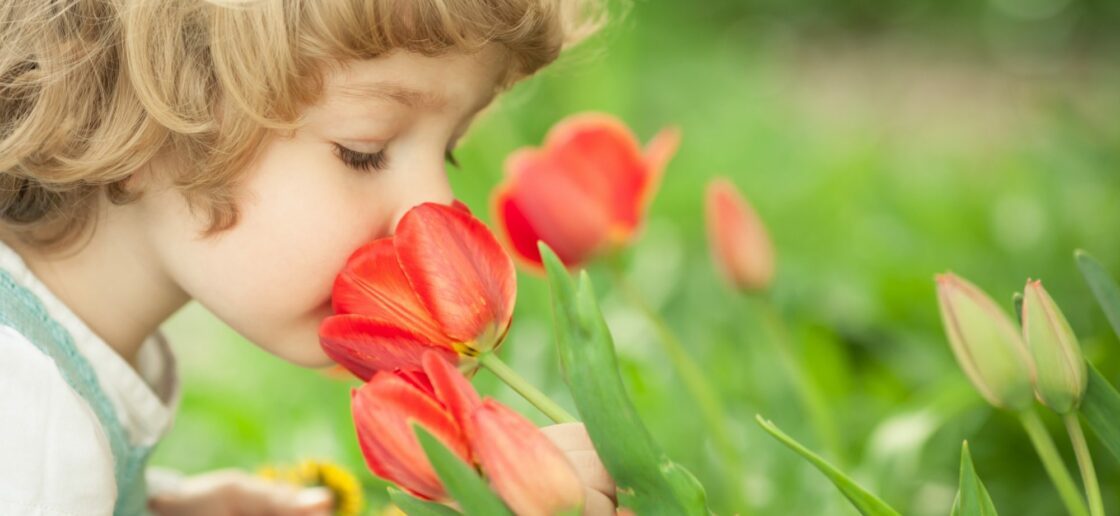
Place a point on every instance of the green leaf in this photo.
(460, 480)
(972, 497)
(413, 506)
(864, 501)
(1101, 409)
(1101, 405)
(1103, 286)
(648, 481)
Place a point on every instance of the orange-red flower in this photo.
(584, 193)
(740, 245)
(441, 282)
(384, 410)
(527, 470)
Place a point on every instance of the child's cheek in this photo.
(270, 276)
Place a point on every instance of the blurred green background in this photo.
(882, 142)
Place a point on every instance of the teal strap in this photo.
(24, 312)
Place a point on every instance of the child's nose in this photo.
(435, 189)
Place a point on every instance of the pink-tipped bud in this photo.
(740, 245)
(1062, 373)
(986, 343)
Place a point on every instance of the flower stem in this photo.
(1085, 462)
(812, 400)
(1048, 453)
(695, 382)
(531, 394)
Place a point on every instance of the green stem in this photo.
(1085, 462)
(531, 394)
(1052, 461)
(812, 400)
(695, 382)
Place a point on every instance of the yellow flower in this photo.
(342, 484)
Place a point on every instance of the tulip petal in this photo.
(451, 388)
(372, 284)
(365, 346)
(383, 410)
(459, 272)
(658, 152)
(460, 205)
(530, 473)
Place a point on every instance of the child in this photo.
(155, 152)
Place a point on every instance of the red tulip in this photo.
(529, 472)
(384, 410)
(441, 282)
(739, 243)
(584, 193)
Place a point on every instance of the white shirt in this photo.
(55, 458)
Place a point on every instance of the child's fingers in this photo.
(236, 492)
(597, 504)
(568, 436)
(591, 471)
(572, 439)
(282, 500)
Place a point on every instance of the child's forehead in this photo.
(417, 81)
(393, 91)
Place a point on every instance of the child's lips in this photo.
(324, 309)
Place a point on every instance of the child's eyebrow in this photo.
(396, 92)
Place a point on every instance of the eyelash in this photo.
(360, 160)
(379, 160)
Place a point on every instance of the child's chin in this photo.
(313, 358)
(302, 353)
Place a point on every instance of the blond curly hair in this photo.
(92, 90)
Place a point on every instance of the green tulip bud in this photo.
(986, 343)
(1062, 374)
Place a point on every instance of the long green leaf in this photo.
(1101, 409)
(864, 501)
(972, 497)
(1103, 286)
(648, 481)
(460, 480)
(413, 506)
(1101, 404)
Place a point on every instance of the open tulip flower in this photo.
(530, 473)
(441, 282)
(584, 193)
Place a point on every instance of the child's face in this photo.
(304, 209)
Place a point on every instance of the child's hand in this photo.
(572, 439)
(236, 493)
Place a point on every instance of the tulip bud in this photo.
(739, 243)
(1062, 374)
(531, 474)
(986, 343)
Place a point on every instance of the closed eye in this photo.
(360, 160)
(376, 161)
